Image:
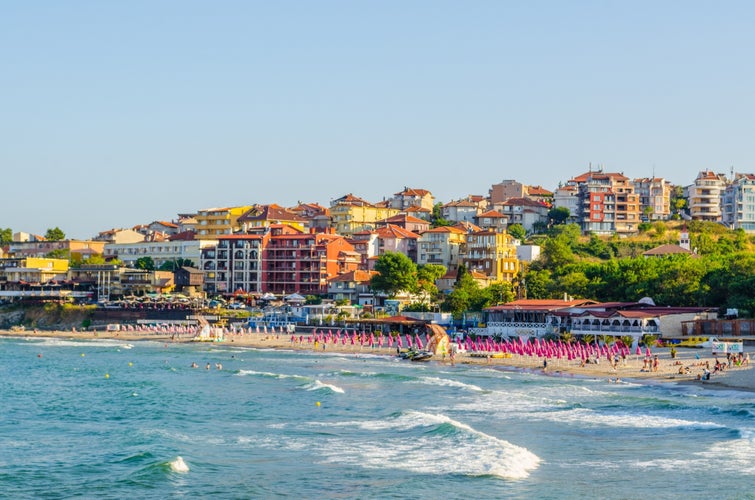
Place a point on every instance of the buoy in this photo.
(317, 404)
(130, 363)
(82, 354)
(39, 355)
(107, 375)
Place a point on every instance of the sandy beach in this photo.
(740, 378)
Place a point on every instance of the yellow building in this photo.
(350, 214)
(37, 270)
(214, 222)
(493, 254)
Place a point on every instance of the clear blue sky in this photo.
(121, 113)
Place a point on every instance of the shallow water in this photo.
(100, 419)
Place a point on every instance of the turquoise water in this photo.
(108, 419)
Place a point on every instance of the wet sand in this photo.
(740, 378)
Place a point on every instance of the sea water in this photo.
(108, 419)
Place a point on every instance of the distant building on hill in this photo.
(738, 203)
(704, 196)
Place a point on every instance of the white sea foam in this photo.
(472, 452)
(243, 373)
(317, 385)
(626, 420)
(54, 342)
(178, 465)
(444, 382)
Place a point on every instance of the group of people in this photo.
(650, 364)
(218, 366)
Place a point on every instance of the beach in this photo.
(740, 378)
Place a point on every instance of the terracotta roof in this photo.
(270, 212)
(184, 236)
(461, 203)
(467, 227)
(667, 250)
(522, 202)
(491, 214)
(413, 192)
(538, 191)
(393, 231)
(540, 304)
(350, 199)
(357, 276)
(406, 218)
(600, 175)
(445, 229)
(417, 209)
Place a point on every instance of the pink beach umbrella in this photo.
(647, 352)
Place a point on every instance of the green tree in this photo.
(6, 236)
(437, 219)
(59, 253)
(396, 273)
(517, 231)
(427, 275)
(145, 263)
(558, 215)
(55, 234)
(172, 265)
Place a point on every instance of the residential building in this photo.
(404, 221)
(366, 244)
(442, 246)
(738, 203)
(608, 203)
(655, 198)
(704, 196)
(82, 249)
(540, 195)
(350, 214)
(447, 282)
(24, 271)
(493, 254)
(396, 239)
(506, 189)
(215, 222)
(411, 197)
(120, 236)
(262, 216)
(492, 220)
(460, 211)
(353, 286)
(525, 211)
(233, 263)
(173, 249)
(567, 196)
(303, 263)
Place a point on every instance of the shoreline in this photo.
(735, 378)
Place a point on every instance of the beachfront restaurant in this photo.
(527, 318)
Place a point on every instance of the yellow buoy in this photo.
(107, 375)
(317, 404)
(130, 363)
(82, 354)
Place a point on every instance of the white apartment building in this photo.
(738, 203)
(704, 196)
(160, 251)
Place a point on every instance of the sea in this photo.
(111, 419)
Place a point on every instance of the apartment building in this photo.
(607, 203)
(233, 263)
(215, 222)
(738, 203)
(704, 196)
(442, 246)
(655, 198)
(491, 253)
(351, 214)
